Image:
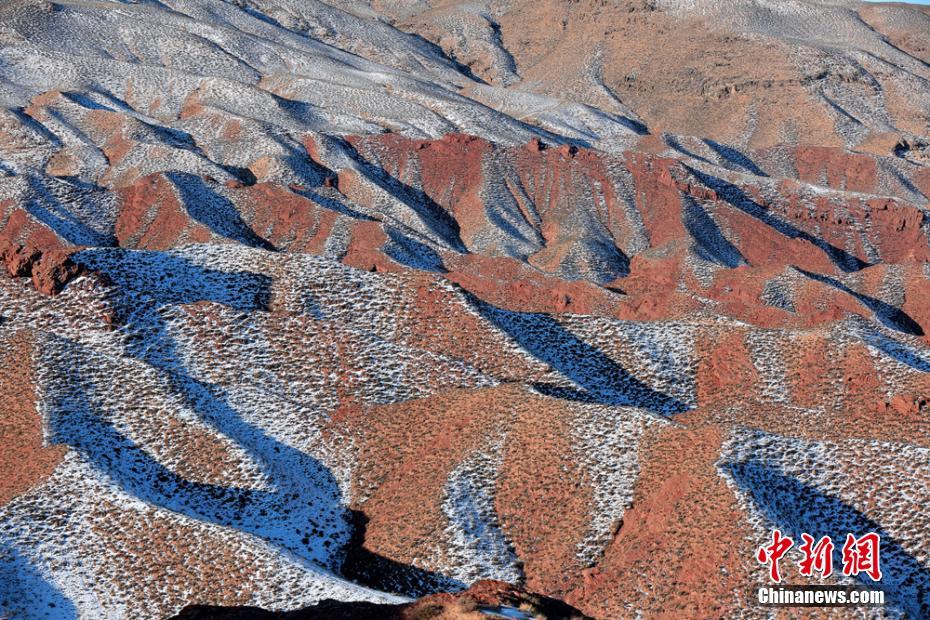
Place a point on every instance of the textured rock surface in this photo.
(484, 599)
(363, 302)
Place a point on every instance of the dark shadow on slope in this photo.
(434, 216)
(742, 201)
(301, 112)
(900, 50)
(161, 278)
(252, 12)
(334, 205)
(438, 51)
(172, 137)
(636, 126)
(840, 110)
(36, 126)
(86, 102)
(25, 593)
(51, 211)
(735, 158)
(796, 507)
(890, 316)
(215, 211)
(898, 351)
(313, 176)
(407, 251)
(729, 156)
(916, 193)
(497, 39)
(306, 498)
(632, 124)
(673, 143)
(295, 516)
(514, 203)
(594, 259)
(599, 378)
(311, 172)
(497, 215)
(603, 261)
(381, 573)
(709, 242)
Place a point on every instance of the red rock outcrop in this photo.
(54, 270)
(277, 321)
(18, 260)
(50, 270)
(484, 598)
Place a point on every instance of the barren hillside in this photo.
(373, 301)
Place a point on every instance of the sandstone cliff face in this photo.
(299, 310)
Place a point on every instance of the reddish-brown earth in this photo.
(680, 497)
(684, 545)
(25, 459)
(300, 311)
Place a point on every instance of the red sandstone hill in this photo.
(333, 306)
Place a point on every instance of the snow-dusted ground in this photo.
(281, 67)
(87, 544)
(197, 468)
(476, 547)
(199, 462)
(193, 432)
(837, 488)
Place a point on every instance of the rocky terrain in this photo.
(334, 306)
(482, 600)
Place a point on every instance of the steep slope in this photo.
(750, 73)
(300, 306)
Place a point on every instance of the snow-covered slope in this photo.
(371, 300)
